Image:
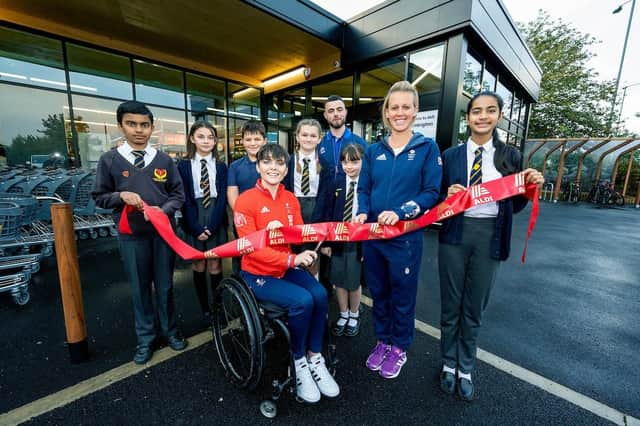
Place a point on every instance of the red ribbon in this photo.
(488, 192)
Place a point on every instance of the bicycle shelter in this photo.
(584, 162)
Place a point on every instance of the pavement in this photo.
(559, 345)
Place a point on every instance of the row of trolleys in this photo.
(26, 234)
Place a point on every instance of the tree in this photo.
(52, 140)
(573, 101)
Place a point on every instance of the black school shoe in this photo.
(465, 389)
(447, 382)
(338, 330)
(351, 331)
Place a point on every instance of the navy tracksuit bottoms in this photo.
(391, 269)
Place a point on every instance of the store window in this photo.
(463, 132)
(98, 73)
(244, 102)
(342, 88)
(169, 134)
(236, 150)
(375, 83)
(507, 97)
(515, 111)
(472, 75)
(30, 59)
(503, 135)
(159, 85)
(96, 127)
(488, 81)
(425, 69)
(33, 130)
(205, 95)
(290, 106)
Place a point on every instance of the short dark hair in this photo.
(191, 147)
(333, 98)
(352, 152)
(254, 126)
(133, 107)
(272, 151)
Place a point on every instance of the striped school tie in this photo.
(305, 187)
(139, 158)
(204, 184)
(348, 203)
(475, 177)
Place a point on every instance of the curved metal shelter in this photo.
(586, 162)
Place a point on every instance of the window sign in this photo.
(426, 123)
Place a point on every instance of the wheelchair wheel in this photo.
(268, 409)
(237, 332)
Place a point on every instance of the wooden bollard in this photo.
(69, 275)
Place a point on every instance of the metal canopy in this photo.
(230, 39)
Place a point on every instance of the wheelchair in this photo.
(242, 329)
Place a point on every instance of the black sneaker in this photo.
(465, 389)
(143, 354)
(447, 382)
(177, 342)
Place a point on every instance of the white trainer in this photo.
(306, 387)
(325, 381)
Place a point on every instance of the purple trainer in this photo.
(393, 363)
(377, 356)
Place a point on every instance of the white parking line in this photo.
(101, 381)
(94, 384)
(537, 380)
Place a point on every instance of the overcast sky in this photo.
(587, 16)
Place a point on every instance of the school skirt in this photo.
(307, 204)
(218, 236)
(346, 268)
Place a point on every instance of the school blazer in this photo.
(218, 216)
(507, 160)
(291, 169)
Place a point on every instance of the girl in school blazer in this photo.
(204, 209)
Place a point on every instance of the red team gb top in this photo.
(253, 211)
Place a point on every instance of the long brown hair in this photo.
(191, 147)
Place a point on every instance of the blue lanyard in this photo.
(336, 151)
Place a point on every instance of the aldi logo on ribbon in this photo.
(309, 234)
(342, 232)
(444, 211)
(480, 195)
(244, 246)
(276, 237)
(375, 231)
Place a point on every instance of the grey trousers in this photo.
(148, 263)
(467, 275)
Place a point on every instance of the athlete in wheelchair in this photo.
(290, 299)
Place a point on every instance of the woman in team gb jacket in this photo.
(400, 180)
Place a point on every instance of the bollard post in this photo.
(69, 275)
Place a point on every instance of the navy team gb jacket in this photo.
(408, 184)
